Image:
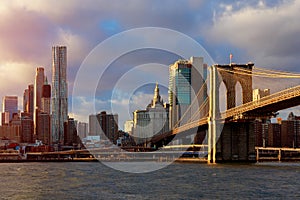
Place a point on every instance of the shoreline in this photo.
(179, 160)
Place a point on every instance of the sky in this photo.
(265, 32)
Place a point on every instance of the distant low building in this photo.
(94, 126)
(290, 131)
(27, 128)
(82, 129)
(70, 136)
(44, 127)
(12, 132)
(128, 125)
(109, 126)
(284, 133)
(274, 135)
(258, 94)
(105, 125)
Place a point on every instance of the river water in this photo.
(93, 180)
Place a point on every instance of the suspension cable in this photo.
(269, 74)
(274, 71)
(196, 98)
(258, 74)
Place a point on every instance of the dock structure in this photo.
(277, 154)
(169, 154)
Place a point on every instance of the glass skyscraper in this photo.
(59, 93)
(185, 79)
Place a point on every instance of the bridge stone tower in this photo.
(223, 140)
(232, 74)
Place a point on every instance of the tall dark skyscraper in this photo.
(59, 93)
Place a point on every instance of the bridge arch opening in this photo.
(238, 94)
(222, 97)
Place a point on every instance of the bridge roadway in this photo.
(272, 103)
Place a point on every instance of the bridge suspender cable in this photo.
(205, 103)
(194, 100)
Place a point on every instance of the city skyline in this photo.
(208, 92)
(211, 23)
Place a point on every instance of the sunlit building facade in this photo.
(28, 100)
(38, 89)
(152, 121)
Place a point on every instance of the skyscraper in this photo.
(9, 106)
(94, 126)
(59, 93)
(38, 89)
(46, 95)
(70, 136)
(185, 80)
(28, 100)
(82, 129)
(108, 126)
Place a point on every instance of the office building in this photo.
(274, 135)
(70, 136)
(94, 126)
(9, 106)
(186, 78)
(152, 121)
(12, 132)
(59, 93)
(290, 132)
(128, 125)
(5, 118)
(82, 129)
(26, 129)
(38, 89)
(44, 128)
(46, 97)
(108, 126)
(28, 100)
(258, 94)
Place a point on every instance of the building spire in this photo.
(156, 98)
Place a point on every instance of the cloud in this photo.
(270, 35)
(14, 78)
(267, 32)
(24, 36)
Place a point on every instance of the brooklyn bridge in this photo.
(229, 134)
